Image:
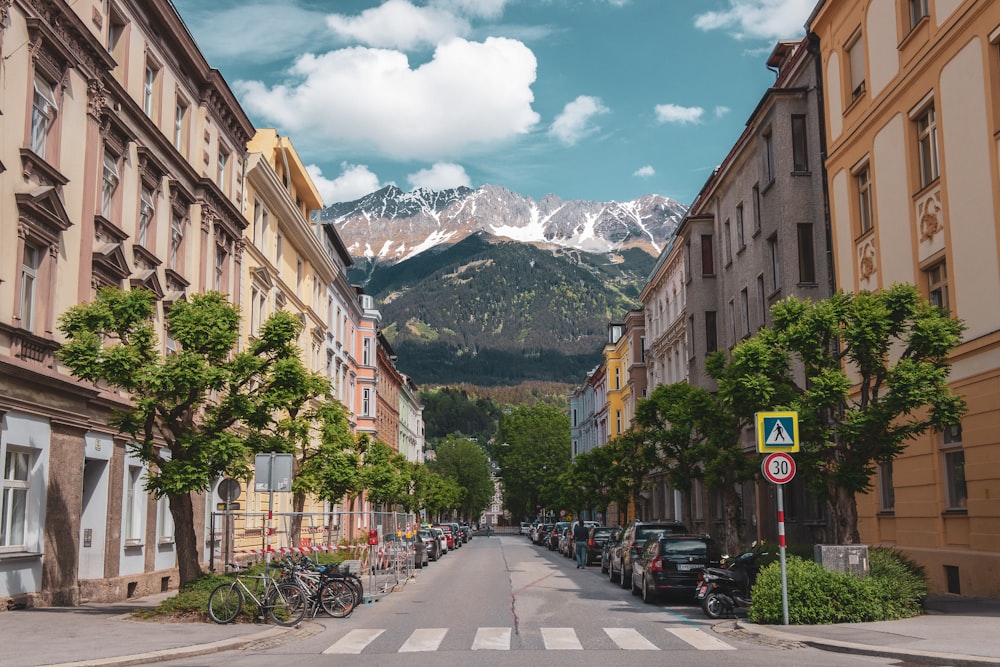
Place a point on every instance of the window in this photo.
(707, 260)
(727, 241)
(800, 147)
(862, 179)
(887, 492)
(180, 126)
(278, 246)
(732, 322)
(756, 209)
(927, 153)
(954, 467)
(772, 247)
(740, 236)
(43, 114)
(14, 499)
(807, 260)
(109, 183)
(146, 211)
(366, 351)
(856, 63)
(768, 157)
(174, 260)
(223, 163)
(169, 343)
(762, 300)
(164, 522)
(918, 10)
(299, 274)
(134, 497)
(220, 268)
(618, 377)
(937, 285)
(150, 84)
(116, 30)
(366, 402)
(745, 310)
(259, 224)
(711, 332)
(30, 263)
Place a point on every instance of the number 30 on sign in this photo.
(778, 468)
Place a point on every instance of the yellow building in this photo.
(912, 105)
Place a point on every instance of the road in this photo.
(501, 601)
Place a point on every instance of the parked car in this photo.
(450, 536)
(673, 564)
(431, 542)
(596, 539)
(395, 547)
(566, 542)
(608, 548)
(525, 528)
(542, 533)
(632, 540)
(556, 533)
(442, 539)
(466, 531)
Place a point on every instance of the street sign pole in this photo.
(781, 554)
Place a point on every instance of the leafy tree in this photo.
(533, 448)
(452, 411)
(465, 462)
(191, 410)
(870, 374)
(437, 493)
(381, 474)
(633, 457)
(589, 473)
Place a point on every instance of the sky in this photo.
(599, 100)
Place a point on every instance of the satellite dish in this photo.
(230, 490)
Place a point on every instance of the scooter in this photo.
(722, 590)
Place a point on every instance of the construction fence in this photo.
(369, 544)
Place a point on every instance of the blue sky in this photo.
(585, 99)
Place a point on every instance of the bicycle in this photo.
(325, 587)
(282, 602)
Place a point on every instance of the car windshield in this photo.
(643, 534)
(683, 548)
(602, 532)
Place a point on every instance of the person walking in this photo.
(580, 535)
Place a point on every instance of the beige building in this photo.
(121, 162)
(913, 119)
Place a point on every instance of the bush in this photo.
(894, 589)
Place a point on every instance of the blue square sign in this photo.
(777, 432)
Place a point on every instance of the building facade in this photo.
(913, 120)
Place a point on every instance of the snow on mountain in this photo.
(392, 225)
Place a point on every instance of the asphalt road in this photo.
(501, 601)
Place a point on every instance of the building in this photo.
(122, 158)
(388, 383)
(912, 101)
(666, 319)
(411, 422)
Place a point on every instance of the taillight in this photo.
(656, 565)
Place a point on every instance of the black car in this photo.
(596, 539)
(542, 534)
(632, 540)
(672, 564)
(556, 534)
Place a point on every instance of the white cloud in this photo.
(440, 176)
(721, 111)
(469, 95)
(274, 31)
(489, 9)
(354, 182)
(760, 19)
(672, 113)
(399, 24)
(574, 122)
(645, 172)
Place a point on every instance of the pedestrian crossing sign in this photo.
(777, 432)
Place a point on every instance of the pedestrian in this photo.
(580, 535)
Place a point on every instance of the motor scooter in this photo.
(722, 590)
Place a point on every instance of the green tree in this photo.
(466, 463)
(533, 449)
(382, 476)
(329, 471)
(192, 410)
(870, 374)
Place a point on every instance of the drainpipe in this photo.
(814, 50)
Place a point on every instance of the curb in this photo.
(837, 646)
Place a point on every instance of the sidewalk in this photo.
(954, 631)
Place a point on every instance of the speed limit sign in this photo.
(778, 468)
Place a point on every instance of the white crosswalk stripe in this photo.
(557, 639)
(629, 639)
(426, 640)
(354, 641)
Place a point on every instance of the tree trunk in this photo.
(843, 516)
(188, 562)
(295, 526)
(734, 528)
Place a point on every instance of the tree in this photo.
(533, 449)
(465, 462)
(382, 475)
(191, 411)
(633, 457)
(870, 374)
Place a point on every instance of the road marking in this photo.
(629, 639)
(354, 641)
(561, 639)
(700, 639)
(424, 639)
(492, 639)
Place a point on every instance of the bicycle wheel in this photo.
(287, 604)
(337, 599)
(225, 603)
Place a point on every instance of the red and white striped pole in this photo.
(781, 553)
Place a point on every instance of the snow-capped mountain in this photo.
(391, 225)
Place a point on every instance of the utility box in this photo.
(850, 558)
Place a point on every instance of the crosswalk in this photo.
(553, 639)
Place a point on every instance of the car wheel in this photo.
(621, 576)
(647, 594)
(635, 589)
(604, 568)
(712, 605)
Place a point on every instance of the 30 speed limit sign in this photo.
(778, 468)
